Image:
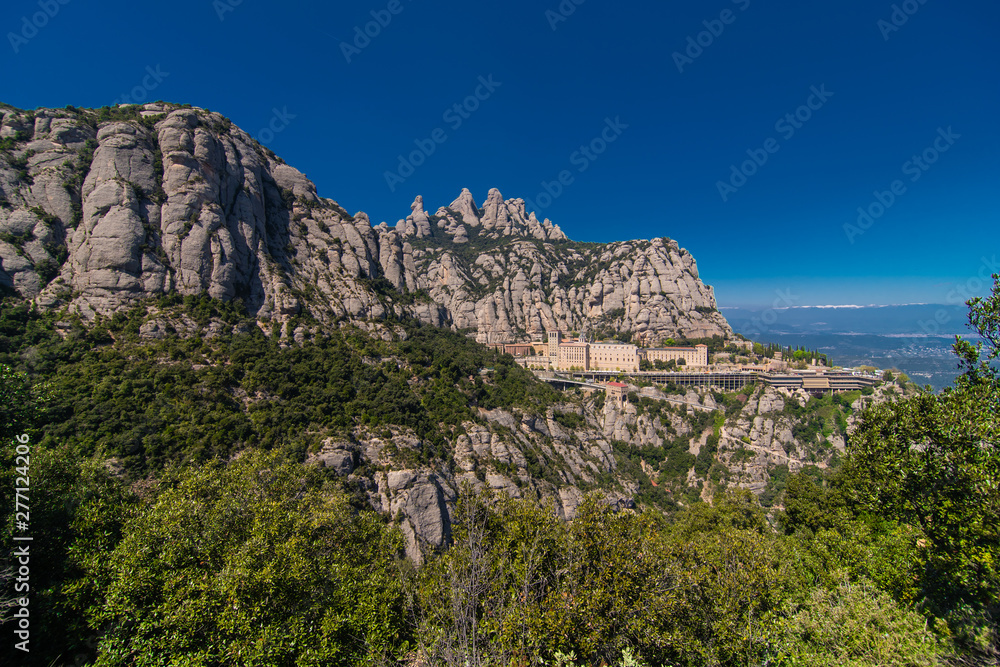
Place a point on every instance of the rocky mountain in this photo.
(655, 448)
(102, 208)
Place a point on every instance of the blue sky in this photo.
(865, 98)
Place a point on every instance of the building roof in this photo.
(617, 384)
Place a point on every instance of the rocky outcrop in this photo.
(511, 452)
(764, 435)
(39, 157)
(99, 208)
(762, 432)
(163, 199)
(761, 437)
(113, 250)
(336, 454)
(517, 275)
(497, 220)
(539, 456)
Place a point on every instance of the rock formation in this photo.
(100, 208)
(537, 456)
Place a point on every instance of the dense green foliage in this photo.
(934, 461)
(857, 625)
(180, 526)
(715, 587)
(262, 562)
(772, 350)
(194, 398)
(251, 563)
(18, 406)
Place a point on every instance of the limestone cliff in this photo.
(101, 208)
(764, 436)
(658, 448)
(500, 272)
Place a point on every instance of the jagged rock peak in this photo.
(497, 218)
(418, 223)
(101, 208)
(466, 208)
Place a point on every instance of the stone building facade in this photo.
(692, 356)
(569, 355)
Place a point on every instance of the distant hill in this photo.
(915, 338)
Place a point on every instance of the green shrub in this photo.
(856, 625)
(254, 563)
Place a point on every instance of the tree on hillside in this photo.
(18, 409)
(984, 318)
(18, 405)
(254, 562)
(934, 461)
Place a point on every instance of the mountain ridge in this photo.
(101, 208)
(103, 211)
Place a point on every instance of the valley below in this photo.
(915, 339)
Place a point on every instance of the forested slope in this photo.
(179, 518)
(250, 442)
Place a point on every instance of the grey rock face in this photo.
(465, 208)
(101, 210)
(418, 223)
(179, 201)
(423, 502)
(336, 454)
(526, 275)
(112, 256)
(36, 198)
(763, 435)
(496, 455)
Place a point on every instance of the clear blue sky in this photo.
(783, 229)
